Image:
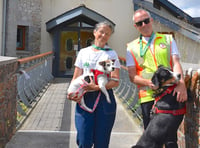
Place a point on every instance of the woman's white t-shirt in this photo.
(87, 58)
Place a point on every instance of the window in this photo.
(21, 37)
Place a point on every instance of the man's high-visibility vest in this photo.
(148, 64)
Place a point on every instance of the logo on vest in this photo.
(162, 45)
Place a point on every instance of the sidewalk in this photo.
(51, 123)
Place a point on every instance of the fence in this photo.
(35, 73)
(188, 134)
(21, 84)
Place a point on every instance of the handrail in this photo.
(34, 75)
(28, 59)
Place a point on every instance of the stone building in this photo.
(21, 27)
(31, 27)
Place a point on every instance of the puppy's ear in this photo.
(113, 60)
(103, 63)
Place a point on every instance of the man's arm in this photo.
(181, 88)
(138, 80)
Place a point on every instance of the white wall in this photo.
(118, 11)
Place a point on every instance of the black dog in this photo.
(167, 113)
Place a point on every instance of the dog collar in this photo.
(100, 48)
(167, 91)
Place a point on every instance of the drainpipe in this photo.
(4, 28)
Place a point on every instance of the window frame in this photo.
(23, 38)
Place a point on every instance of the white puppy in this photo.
(102, 73)
(76, 88)
(100, 76)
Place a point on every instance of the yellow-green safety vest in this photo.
(148, 64)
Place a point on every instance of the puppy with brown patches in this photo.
(100, 76)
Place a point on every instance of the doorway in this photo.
(70, 44)
(71, 31)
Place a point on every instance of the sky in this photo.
(191, 7)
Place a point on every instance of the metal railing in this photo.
(127, 92)
(33, 77)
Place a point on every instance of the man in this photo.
(143, 57)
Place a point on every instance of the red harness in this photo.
(173, 112)
(97, 73)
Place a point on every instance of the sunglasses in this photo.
(146, 21)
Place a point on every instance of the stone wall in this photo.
(29, 14)
(23, 13)
(8, 93)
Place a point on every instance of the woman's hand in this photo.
(91, 86)
(75, 97)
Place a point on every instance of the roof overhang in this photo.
(175, 11)
(80, 13)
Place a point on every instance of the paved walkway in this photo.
(51, 123)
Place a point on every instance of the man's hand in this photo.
(181, 92)
(152, 86)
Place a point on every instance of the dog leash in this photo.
(95, 104)
(96, 73)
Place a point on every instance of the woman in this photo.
(94, 129)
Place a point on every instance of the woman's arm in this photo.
(77, 73)
(114, 79)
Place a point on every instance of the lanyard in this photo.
(99, 48)
(143, 51)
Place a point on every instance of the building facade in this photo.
(31, 27)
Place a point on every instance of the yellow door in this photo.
(68, 50)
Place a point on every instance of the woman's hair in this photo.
(104, 23)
